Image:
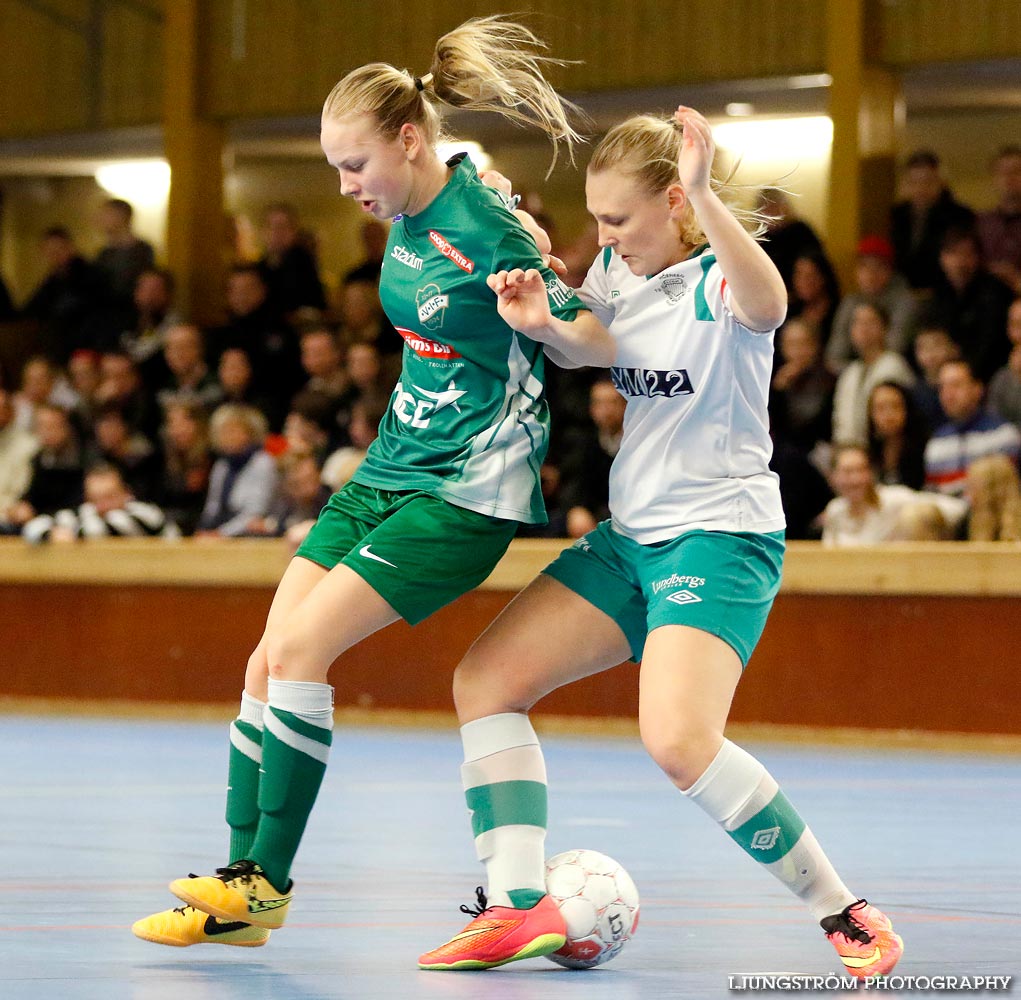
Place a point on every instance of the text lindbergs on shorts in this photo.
(677, 581)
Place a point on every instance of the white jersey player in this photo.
(682, 576)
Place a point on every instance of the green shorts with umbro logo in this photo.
(721, 582)
(416, 551)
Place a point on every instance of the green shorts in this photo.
(721, 582)
(416, 551)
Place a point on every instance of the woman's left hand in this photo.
(694, 164)
(521, 300)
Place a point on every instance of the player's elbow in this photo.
(767, 315)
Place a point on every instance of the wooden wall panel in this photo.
(43, 70)
(905, 662)
(66, 72)
(892, 662)
(280, 57)
(923, 31)
(283, 56)
(132, 67)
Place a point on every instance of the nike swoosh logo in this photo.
(364, 551)
(860, 963)
(258, 905)
(214, 927)
(470, 933)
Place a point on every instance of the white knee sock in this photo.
(741, 795)
(504, 779)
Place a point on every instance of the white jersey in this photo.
(696, 447)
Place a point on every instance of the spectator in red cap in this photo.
(876, 284)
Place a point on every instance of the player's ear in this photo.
(411, 139)
(677, 200)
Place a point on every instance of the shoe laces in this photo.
(242, 871)
(846, 922)
(480, 899)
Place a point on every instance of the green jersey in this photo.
(468, 421)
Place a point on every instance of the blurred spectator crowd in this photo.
(895, 404)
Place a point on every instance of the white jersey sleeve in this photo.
(712, 291)
(595, 291)
(719, 299)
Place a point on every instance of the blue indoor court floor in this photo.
(98, 815)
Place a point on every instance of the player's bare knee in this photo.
(481, 690)
(683, 755)
(290, 659)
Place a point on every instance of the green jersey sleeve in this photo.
(518, 249)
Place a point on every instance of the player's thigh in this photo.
(545, 638)
(338, 612)
(686, 685)
(298, 581)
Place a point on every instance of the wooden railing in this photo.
(923, 637)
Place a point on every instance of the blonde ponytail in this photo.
(491, 64)
(485, 64)
(646, 149)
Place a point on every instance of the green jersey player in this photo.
(454, 470)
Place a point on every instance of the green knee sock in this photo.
(295, 749)
(243, 777)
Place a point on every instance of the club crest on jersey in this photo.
(432, 306)
(674, 287)
(560, 295)
(448, 250)
(426, 348)
(649, 382)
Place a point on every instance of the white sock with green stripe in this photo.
(742, 796)
(504, 779)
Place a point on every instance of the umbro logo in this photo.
(765, 840)
(684, 597)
